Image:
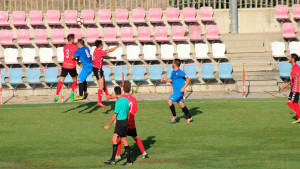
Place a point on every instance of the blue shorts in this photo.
(84, 74)
(177, 97)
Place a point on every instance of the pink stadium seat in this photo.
(144, 34)
(6, 37)
(288, 30)
(122, 16)
(296, 11)
(212, 32)
(172, 14)
(4, 18)
(19, 18)
(40, 36)
(36, 17)
(70, 17)
(58, 36)
(281, 12)
(53, 17)
(88, 16)
(161, 34)
(138, 16)
(104, 16)
(195, 32)
(155, 15)
(92, 34)
(77, 32)
(189, 14)
(23, 36)
(110, 35)
(178, 33)
(127, 34)
(206, 14)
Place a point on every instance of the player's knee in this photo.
(181, 105)
(170, 102)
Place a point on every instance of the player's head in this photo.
(293, 58)
(80, 43)
(176, 63)
(118, 91)
(127, 87)
(99, 44)
(71, 38)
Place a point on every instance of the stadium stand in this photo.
(6, 37)
(225, 71)
(206, 14)
(33, 76)
(92, 34)
(41, 36)
(161, 34)
(169, 71)
(189, 15)
(4, 18)
(218, 50)
(118, 73)
(212, 32)
(28, 55)
(122, 16)
(77, 32)
(144, 34)
(178, 33)
(172, 14)
(60, 54)
(107, 73)
(70, 17)
(155, 15)
(51, 75)
(191, 71)
(183, 51)
(104, 16)
(36, 18)
(296, 11)
(133, 52)
(149, 52)
(53, 17)
(207, 72)
(68, 79)
(117, 53)
(167, 52)
(201, 50)
(46, 55)
(138, 73)
(19, 18)
(138, 16)
(23, 36)
(3, 77)
(294, 47)
(288, 30)
(11, 56)
(127, 34)
(278, 49)
(110, 35)
(16, 76)
(285, 69)
(155, 72)
(89, 16)
(282, 12)
(195, 33)
(58, 36)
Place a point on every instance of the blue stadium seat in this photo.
(118, 73)
(285, 70)
(107, 73)
(51, 75)
(207, 72)
(15, 76)
(68, 79)
(155, 72)
(191, 71)
(3, 77)
(225, 71)
(138, 73)
(33, 76)
(169, 70)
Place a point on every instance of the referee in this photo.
(121, 117)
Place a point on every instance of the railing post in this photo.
(244, 78)
(234, 16)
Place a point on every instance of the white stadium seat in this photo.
(149, 52)
(167, 52)
(278, 49)
(294, 47)
(117, 53)
(28, 55)
(133, 52)
(60, 54)
(11, 55)
(201, 50)
(184, 51)
(218, 50)
(46, 55)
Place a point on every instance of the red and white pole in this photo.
(62, 94)
(244, 87)
(1, 101)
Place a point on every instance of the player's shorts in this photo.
(98, 72)
(121, 128)
(132, 132)
(177, 97)
(294, 96)
(65, 72)
(84, 74)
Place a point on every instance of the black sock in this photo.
(127, 149)
(115, 146)
(85, 87)
(186, 112)
(172, 107)
(81, 88)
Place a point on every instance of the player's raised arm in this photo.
(113, 49)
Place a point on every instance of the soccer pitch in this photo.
(226, 133)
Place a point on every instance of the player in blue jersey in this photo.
(84, 55)
(179, 81)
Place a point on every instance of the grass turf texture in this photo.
(226, 133)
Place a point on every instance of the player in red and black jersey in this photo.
(98, 56)
(131, 122)
(69, 67)
(294, 81)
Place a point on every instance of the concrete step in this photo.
(243, 43)
(256, 78)
(249, 55)
(254, 89)
(249, 73)
(250, 59)
(258, 83)
(250, 37)
(252, 67)
(246, 49)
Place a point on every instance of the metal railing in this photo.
(44, 5)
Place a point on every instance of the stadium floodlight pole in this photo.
(234, 16)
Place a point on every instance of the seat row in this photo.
(278, 49)
(138, 74)
(133, 53)
(282, 12)
(110, 35)
(105, 15)
(289, 31)
(285, 69)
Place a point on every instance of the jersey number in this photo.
(87, 53)
(68, 53)
(130, 107)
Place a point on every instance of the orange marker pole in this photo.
(1, 102)
(244, 87)
(122, 76)
(183, 68)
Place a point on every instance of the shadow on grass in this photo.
(193, 111)
(91, 107)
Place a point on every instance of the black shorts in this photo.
(121, 128)
(294, 96)
(98, 72)
(132, 132)
(65, 72)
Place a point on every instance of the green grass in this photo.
(226, 133)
